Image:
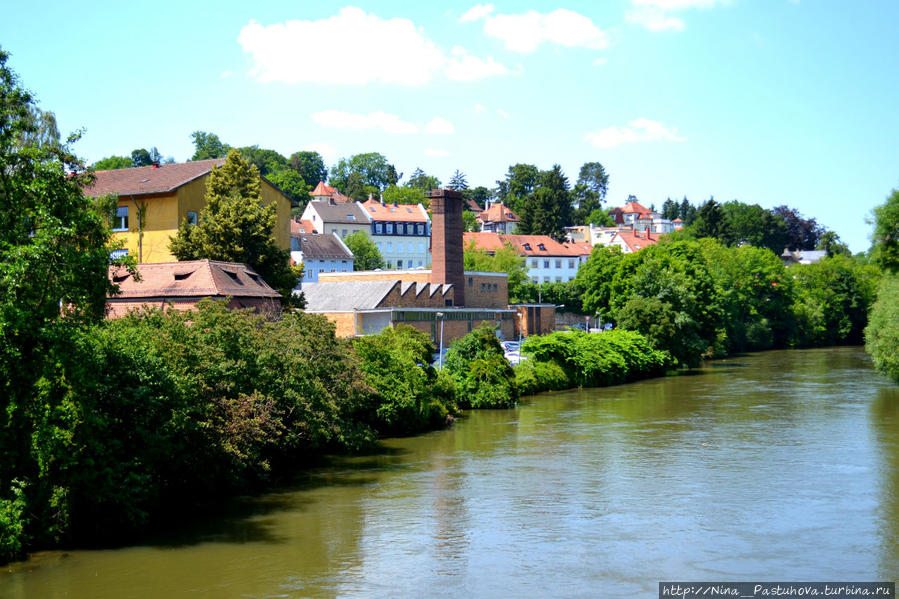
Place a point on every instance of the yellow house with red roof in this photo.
(153, 200)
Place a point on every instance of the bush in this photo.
(483, 376)
(882, 334)
(532, 377)
(411, 397)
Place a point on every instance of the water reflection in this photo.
(781, 465)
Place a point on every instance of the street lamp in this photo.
(440, 355)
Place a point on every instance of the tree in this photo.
(483, 376)
(310, 166)
(375, 173)
(670, 210)
(267, 161)
(54, 255)
(753, 225)
(802, 234)
(687, 212)
(141, 157)
(548, 210)
(520, 182)
(712, 222)
(366, 255)
(600, 218)
(422, 181)
(882, 332)
(235, 227)
(208, 145)
(458, 181)
(403, 195)
(505, 259)
(470, 222)
(480, 195)
(831, 243)
(291, 183)
(885, 248)
(112, 163)
(594, 177)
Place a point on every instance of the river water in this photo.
(779, 466)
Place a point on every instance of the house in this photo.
(546, 259)
(321, 253)
(401, 232)
(445, 301)
(180, 285)
(332, 217)
(323, 193)
(153, 200)
(635, 216)
(299, 228)
(498, 218)
(631, 241)
(789, 257)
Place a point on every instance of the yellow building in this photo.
(153, 200)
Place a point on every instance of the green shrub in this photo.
(12, 523)
(882, 334)
(483, 376)
(532, 377)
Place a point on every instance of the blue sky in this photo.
(766, 101)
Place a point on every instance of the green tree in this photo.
(600, 218)
(366, 255)
(483, 376)
(423, 181)
(885, 248)
(712, 222)
(505, 259)
(112, 163)
(375, 173)
(548, 210)
(54, 255)
(235, 227)
(470, 222)
(753, 225)
(831, 243)
(208, 145)
(403, 195)
(670, 209)
(458, 182)
(520, 182)
(267, 161)
(882, 332)
(292, 184)
(480, 195)
(310, 166)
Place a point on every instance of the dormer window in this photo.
(541, 247)
(351, 217)
(527, 247)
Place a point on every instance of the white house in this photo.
(402, 233)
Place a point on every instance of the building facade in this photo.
(402, 233)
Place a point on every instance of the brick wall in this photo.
(447, 265)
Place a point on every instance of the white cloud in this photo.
(464, 67)
(526, 31)
(389, 123)
(600, 61)
(638, 130)
(653, 14)
(476, 13)
(225, 74)
(479, 108)
(439, 126)
(435, 153)
(502, 113)
(354, 48)
(654, 19)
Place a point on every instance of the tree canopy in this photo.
(886, 233)
(208, 145)
(366, 255)
(310, 166)
(363, 174)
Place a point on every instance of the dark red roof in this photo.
(142, 180)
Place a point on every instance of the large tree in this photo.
(590, 190)
(267, 161)
(112, 163)
(366, 255)
(54, 256)
(548, 210)
(712, 222)
(516, 188)
(235, 226)
(373, 170)
(802, 233)
(458, 182)
(422, 181)
(886, 233)
(208, 145)
(310, 166)
(753, 225)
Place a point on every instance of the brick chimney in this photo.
(447, 265)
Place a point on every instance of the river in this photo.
(778, 466)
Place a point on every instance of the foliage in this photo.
(600, 218)
(373, 174)
(142, 157)
(234, 226)
(802, 233)
(590, 191)
(532, 376)
(208, 145)
(885, 249)
(422, 181)
(753, 225)
(480, 195)
(292, 184)
(831, 243)
(519, 183)
(410, 395)
(470, 222)
(310, 166)
(548, 210)
(832, 300)
(112, 163)
(596, 359)
(711, 221)
(366, 255)
(403, 195)
(458, 182)
(483, 376)
(594, 278)
(505, 259)
(882, 332)
(266, 161)
(567, 293)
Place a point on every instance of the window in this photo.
(483, 286)
(527, 247)
(470, 282)
(380, 249)
(389, 246)
(558, 264)
(535, 263)
(351, 217)
(343, 233)
(389, 228)
(571, 264)
(116, 254)
(541, 247)
(558, 279)
(379, 228)
(420, 229)
(534, 280)
(120, 223)
(399, 246)
(399, 263)
(191, 217)
(546, 264)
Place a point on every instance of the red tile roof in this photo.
(635, 240)
(193, 278)
(299, 226)
(498, 213)
(395, 212)
(143, 180)
(324, 190)
(526, 245)
(634, 207)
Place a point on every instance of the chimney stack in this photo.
(447, 264)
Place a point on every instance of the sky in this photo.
(770, 102)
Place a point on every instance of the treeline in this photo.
(882, 334)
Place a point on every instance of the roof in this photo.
(299, 226)
(526, 245)
(472, 206)
(498, 213)
(323, 190)
(340, 296)
(634, 207)
(144, 180)
(343, 213)
(193, 278)
(635, 240)
(395, 212)
(324, 247)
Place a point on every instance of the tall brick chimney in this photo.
(447, 264)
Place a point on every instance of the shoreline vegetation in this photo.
(110, 427)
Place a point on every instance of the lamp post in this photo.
(440, 355)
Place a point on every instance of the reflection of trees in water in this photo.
(885, 419)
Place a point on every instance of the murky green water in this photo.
(777, 466)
